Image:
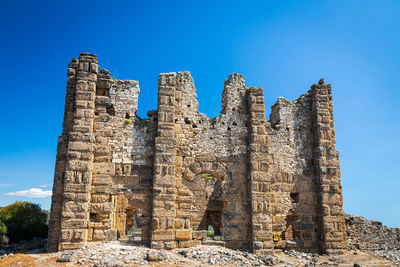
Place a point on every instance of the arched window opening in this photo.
(212, 216)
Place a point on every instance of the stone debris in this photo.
(156, 255)
(66, 256)
(371, 235)
(391, 255)
(36, 245)
(116, 253)
(224, 256)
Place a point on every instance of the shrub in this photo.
(10, 210)
(24, 221)
(3, 228)
(141, 123)
(210, 231)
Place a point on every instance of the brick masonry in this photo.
(261, 184)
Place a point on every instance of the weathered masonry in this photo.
(169, 180)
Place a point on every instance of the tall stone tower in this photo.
(166, 180)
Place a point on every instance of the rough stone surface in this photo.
(371, 235)
(167, 180)
(66, 256)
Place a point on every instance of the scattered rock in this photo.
(114, 254)
(67, 256)
(4, 240)
(155, 255)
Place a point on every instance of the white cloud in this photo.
(44, 185)
(33, 192)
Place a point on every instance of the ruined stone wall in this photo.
(293, 189)
(283, 184)
(70, 213)
(330, 213)
(61, 159)
(259, 184)
(295, 177)
(366, 234)
(218, 147)
(121, 188)
(202, 146)
(103, 180)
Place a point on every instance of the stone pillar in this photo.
(102, 192)
(61, 159)
(262, 236)
(327, 171)
(164, 185)
(234, 95)
(79, 159)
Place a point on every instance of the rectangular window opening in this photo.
(294, 197)
(93, 217)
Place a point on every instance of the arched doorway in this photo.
(212, 217)
(207, 189)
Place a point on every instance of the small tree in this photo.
(10, 210)
(24, 220)
(3, 228)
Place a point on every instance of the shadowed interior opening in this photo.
(214, 207)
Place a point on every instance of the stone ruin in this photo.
(165, 181)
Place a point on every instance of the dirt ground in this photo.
(37, 258)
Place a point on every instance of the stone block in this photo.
(99, 198)
(102, 207)
(81, 146)
(104, 168)
(199, 235)
(80, 165)
(334, 237)
(74, 224)
(76, 188)
(163, 235)
(157, 245)
(170, 245)
(99, 235)
(101, 180)
(179, 223)
(183, 234)
(189, 243)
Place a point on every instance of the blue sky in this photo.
(281, 46)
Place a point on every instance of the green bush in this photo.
(3, 228)
(210, 231)
(24, 221)
(10, 210)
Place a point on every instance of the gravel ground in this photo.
(116, 254)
